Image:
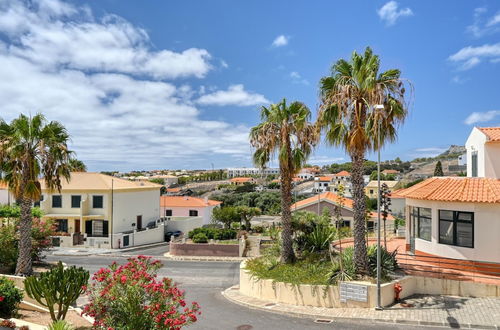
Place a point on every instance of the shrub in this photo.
(200, 238)
(8, 324)
(10, 297)
(59, 286)
(130, 297)
(60, 325)
(258, 229)
(319, 239)
(8, 242)
(388, 261)
(213, 233)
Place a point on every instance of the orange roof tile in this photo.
(374, 215)
(173, 189)
(455, 189)
(343, 173)
(493, 133)
(186, 201)
(324, 178)
(326, 196)
(390, 172)
(296, 179)
(3, 185)
(241, 179)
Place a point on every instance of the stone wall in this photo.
(205, 250)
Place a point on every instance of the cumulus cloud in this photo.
(482, 24)
(116, 96)
(390, 12)
(296, 78)
(428, 152)
(481, 117)
(469, 57)
(234, 95)
(280, 41)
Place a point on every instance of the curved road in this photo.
(204, 281)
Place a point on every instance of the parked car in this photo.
(170, 234)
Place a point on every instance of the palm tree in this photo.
(285, 130)
(30, 148)
(349, 117)
(77, 166)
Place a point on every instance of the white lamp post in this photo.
(379, 303)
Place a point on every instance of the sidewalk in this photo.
(83, 251)
(455, 312)
(202, 258)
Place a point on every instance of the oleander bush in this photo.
(10, 297)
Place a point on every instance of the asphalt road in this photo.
(204, 281)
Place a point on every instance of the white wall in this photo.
(6, 198)
(128, 205)
(486, 231)
(492, 160)
(185, 225)
(204, 212)
(476, 142)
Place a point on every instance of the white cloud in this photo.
(390, 12)
(321, 160)
(100, 78)
(234, 95)
(469, 57)
(480, 117)
(280, 41)
(428, 152)
(224, 64)
(296, 78)
(482, 25)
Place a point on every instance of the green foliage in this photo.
(8, 242)
(60, 325)
(399, 223)
(268, 202)
(14, 211)
(371, 204)
(320, 238)
(158, 181)
(246, 187)
(273, 185)
(10, 297)
(213, 233)
(412, 183)
(77, 165)
(258, 229)
(226, 215)
(348, 273)
(388, 262)
(386, 177)
(438, 170)
(200, 238)
(59, 286)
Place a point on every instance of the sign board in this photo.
(351, 291)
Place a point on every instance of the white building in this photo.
(104, 211)
(342, 178)
(243, 171)
(459, 217)
(322, 183)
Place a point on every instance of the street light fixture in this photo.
(379, 303)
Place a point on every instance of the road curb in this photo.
(202, 258)
(274, 309)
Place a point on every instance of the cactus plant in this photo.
(58, 287)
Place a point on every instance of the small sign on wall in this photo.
(352, 291)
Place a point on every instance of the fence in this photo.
(448, 268)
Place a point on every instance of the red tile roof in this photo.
(455, 189)
(326, 196)
(390, 172)
(241, 179)
(186, 201)
(343, 173)
(493, 133)
(324, 178)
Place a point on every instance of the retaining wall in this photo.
(204, 250)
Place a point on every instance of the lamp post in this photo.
(379, 303)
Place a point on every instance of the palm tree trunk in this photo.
(24, 261)
(360, 256)
(287, 253)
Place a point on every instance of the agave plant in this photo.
(60, 325)
(320, 238)
(388, 261)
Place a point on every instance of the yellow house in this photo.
(102, 207)
(371, 189)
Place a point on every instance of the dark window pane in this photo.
(446, 215)
(62, 225)
(424, 212)
(75, 201)
(464, 216)
(446, 232)
(193, 213)
(168, 213)
(424, 229)
(56, 201)
(97, 202)
(464, 234)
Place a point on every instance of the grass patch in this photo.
(230, 241)
(312, 269)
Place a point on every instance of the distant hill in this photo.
(453, 151)
(424, 167)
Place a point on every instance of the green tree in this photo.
(226, 215)
(246, 213)
(285, 130)
(77, 165)
(438, 170)
(30, 148)
(349, 117)
(158, 181)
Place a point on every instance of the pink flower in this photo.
(1, 298)
(123, 279)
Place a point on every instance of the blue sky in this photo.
(178, 84)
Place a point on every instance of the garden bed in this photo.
(204, 249)
(44, 319)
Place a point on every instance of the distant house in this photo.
(342, 178)
(241, 181)
(395, 173)
(459, 217)
(6, 197)
(322, 183)
(308, 173)
(329, 200)
(187, 206)
(242, 171)
(371, 189)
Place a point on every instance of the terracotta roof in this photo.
(390, 172)
(3, 185)
(98, 181)
(455, 189)
(186, 201)
(395, 194)
(324, 178)
(296, 179)
(326, 196)
(343, 173)
(374, 215)
(173, 189)
(493, 133)
(374, 183)
(241, 179)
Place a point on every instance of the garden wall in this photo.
(204, 250)
(328, 296)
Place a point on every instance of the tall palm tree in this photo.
(30, 148)
(77, 165)
(285, 130)
(349, 117)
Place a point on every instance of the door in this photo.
(77, 226)
(139, 222)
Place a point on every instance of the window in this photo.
(56, 201)
(97, 202)
(456, 228)
(193, 213)
(168, 213)
(97, 228)
(474, 164)
(75, 201)
(62, 225)
(422, 218)
(371, 191)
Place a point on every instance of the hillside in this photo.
(424, 167)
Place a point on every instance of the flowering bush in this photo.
(10, 297)
(131, 297)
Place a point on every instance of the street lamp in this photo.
(379, 304)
